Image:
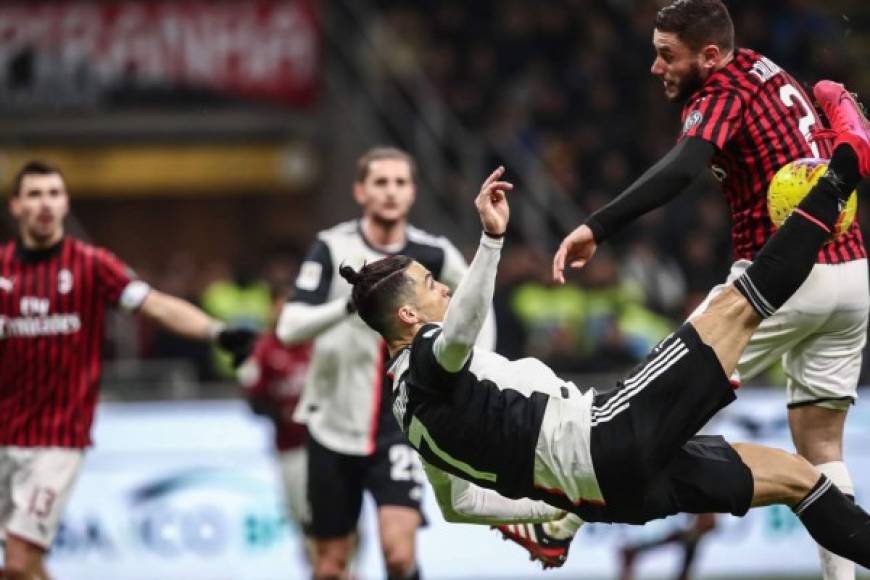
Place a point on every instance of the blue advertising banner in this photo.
(191, 490)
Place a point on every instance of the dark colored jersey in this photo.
(275, 374)
(52, 307)
(759, 118)
(344, 404)
(481, 423)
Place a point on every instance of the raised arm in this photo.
(687, 161)
(467, 313)
(463, 502)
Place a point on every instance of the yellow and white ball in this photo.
(793, 182)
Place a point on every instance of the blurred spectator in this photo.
(243, 300)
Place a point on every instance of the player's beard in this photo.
(689, 84)
(385, 222)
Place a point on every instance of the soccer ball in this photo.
(792, 182)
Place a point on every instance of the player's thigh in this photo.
(637, 428)
(294, 480)
(768, 342)
(395, 480)
(41, 486)
(706, 475)
(334, 489)
(824, 368)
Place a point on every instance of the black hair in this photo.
(34, 167)
(378, 290)
(698, 23)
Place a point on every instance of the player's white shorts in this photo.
(35, 485)
(819, 334)
(294, 475)
(563, 456)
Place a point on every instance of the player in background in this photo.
(743, 118)
(686, 536)
(354, 443)
(273, 378)
(54, 291)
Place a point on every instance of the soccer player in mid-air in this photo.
(509, 441)
(54, 291)
(744, 117)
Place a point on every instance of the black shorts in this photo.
(393, 475)
(640, 429)
(705, 475)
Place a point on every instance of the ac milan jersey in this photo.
(276, 374)
(52, 306)
(759, 118)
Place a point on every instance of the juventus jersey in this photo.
(345, 404)
(482, 423)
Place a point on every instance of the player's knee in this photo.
(15, 571)
(399, 559)
(330, 560)
(329, 569)
(801, 478)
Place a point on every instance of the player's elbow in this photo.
(286, 330)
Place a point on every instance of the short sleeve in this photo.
(315, 275)
(425, 369)
(714, 117)
(118, 283)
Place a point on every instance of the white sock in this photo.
(563, 528)
(835, 567)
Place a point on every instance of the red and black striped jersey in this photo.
(758, 118)
(52, 306)
(275, 374)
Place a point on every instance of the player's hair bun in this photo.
(349, 274)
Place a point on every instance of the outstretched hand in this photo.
(239, 342)
(492, 203)
(576, 250)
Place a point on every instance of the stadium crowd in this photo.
(569, 83)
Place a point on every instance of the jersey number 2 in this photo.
(790, 97)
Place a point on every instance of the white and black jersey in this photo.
(344, 403)
(481, 423)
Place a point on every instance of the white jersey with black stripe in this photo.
(482, 423)
(343, 402)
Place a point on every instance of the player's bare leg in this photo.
(779, 477)
(332, 557)
(727, 325)
(398, 528)
(831, 518)
(23, 560)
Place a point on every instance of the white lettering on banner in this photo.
(260, 48)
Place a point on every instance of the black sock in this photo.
(835, 522)
(788, 257)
